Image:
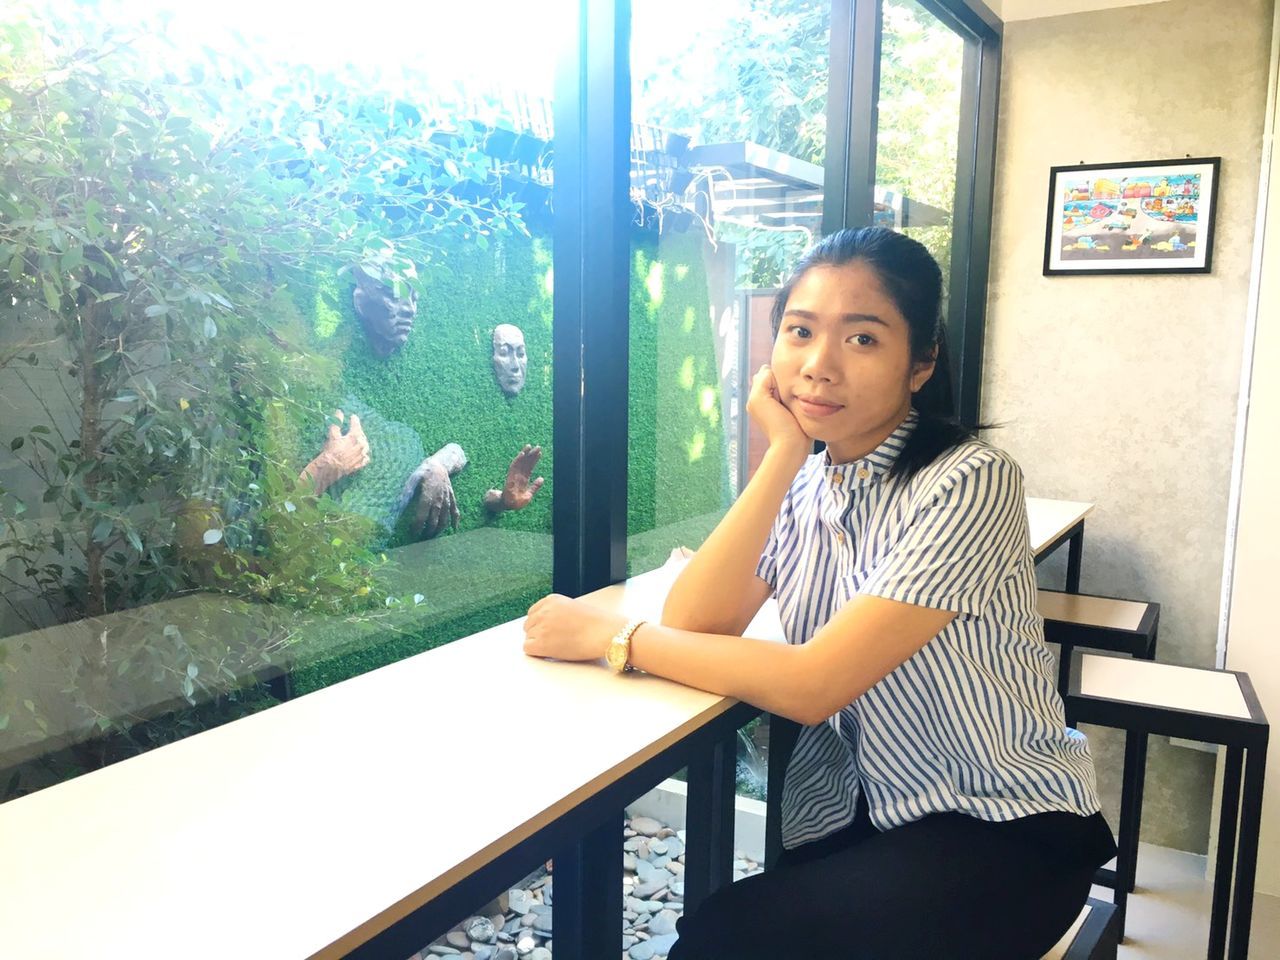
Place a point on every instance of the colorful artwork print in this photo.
(1145, 217)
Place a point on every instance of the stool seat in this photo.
(1099, 623)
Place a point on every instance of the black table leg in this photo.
(588, 895)
(1139, 780)
(1247, 855)
(1226, 854)
(782, 740)
(1075, 552)
(709, 823)
(1128, 824)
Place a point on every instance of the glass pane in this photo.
(921, 67)
(275, 329)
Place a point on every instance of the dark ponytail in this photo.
(913, 280)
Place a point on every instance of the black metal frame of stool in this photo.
(1139, 642)
(1099, 936)
(1246, 741)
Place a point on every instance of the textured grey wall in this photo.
(1122, 390)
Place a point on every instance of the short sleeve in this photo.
(963, 540)
(767, 568)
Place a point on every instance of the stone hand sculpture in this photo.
(518, 491)
(431, 492)
(510, 361)
(341, 456)
(386, 318)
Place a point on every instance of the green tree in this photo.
(760, 73)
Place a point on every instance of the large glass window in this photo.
(275, 356)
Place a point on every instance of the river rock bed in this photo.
(518, 925)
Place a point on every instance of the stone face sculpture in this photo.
(518, 491)
(431, 491)
(386, 318)
(342, 454)
(510, 362)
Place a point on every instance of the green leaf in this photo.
(40, 428)
(192, 670)
(52, 297)
(4, 720)
(102, 530)
(134, 540)
(16, 267)
(16, 443)
(210, 328)
(156, 310)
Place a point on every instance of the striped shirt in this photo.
(972, 723)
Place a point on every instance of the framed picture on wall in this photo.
(1152, 216)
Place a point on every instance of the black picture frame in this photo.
(1133, 217)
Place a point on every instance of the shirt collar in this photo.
(877, 463)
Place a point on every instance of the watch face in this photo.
(617, 656)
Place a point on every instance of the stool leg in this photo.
(1136, 741)
(1247, 852)
(1226, 853)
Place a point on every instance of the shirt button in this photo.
(837, 478)
(840, 537)
(863, 473)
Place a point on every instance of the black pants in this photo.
(947, 887)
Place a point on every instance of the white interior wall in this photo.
(1252, 626)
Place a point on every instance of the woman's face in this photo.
(842, 360)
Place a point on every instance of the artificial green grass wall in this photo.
(678, 466)
(440, 388)
(440, 384)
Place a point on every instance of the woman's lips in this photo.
(812, 407)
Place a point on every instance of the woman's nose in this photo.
(819, 364)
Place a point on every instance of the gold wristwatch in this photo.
(619, 653)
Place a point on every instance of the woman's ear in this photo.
(922, 370)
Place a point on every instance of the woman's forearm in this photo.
(710, 592)
(770, 675)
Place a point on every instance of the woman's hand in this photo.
(569, 629)
(779, 424)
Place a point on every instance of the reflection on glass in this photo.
(919, 122)
(275, 353)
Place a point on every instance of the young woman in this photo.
(936, 806)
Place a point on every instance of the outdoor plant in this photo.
(157, 234)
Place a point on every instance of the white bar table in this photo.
(1051, 524)
(365, 819)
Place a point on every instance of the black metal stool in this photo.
(1194, 703)
(1105, 623)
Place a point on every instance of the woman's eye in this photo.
(863, 339)
(801, 332)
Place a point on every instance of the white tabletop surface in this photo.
(1050, 519)
(279, 835)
